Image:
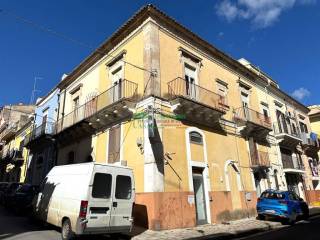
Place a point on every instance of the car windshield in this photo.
(272, 195)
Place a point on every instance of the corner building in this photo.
(185, 116)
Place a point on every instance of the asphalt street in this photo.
(13, 227)
(303, 230)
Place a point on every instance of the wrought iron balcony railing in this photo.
(284, 128)
(47, 128)
(291, 162)
(8, 132)
(247, 114)
(260, 158)
(124, 90)
(307, 140)
(179, 87)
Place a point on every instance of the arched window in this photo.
(71, 157)
(196, 138)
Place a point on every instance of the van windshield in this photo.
(101, 187)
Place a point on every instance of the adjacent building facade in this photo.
(40, 141)
(204, 134)
(16, 123)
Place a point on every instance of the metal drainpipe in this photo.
(64, 105)
(62, 116)
(28, 152)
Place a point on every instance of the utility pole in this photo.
(34, 90)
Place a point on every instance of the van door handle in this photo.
(114, 204)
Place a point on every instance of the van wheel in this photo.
(66, 231)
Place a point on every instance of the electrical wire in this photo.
(65, 37)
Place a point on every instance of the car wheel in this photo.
(305, 215)
(66, 230)
(261, 217)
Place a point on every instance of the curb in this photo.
(235, 234)
(245, 233)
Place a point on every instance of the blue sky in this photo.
(281, 37)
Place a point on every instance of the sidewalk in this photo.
(229, 230)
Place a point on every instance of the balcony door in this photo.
(117, 83)
(245, 104)
(282, 124)
(190, 75)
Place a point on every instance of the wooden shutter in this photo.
(114, 144)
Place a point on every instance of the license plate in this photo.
(270, 211)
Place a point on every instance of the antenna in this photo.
(34, 90)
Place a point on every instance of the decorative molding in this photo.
(188, 54)
(116, 58)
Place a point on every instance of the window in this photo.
(190, 78)
(245, 99)
(222, 88)
(75, 103)
(196, 138)
(117, 76)
(265, 109)
(303, 127)
(101, 187)
(123, 187)
(294, 129)
(45, 115)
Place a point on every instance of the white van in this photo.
(87, 198)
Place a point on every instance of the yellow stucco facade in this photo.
(193, 124)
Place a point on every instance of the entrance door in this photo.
(292, 182)
(199, 193)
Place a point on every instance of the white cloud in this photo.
(262, 13)
(301, 93)
(220, 34)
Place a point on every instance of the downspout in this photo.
(62, 118)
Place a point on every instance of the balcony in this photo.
(285, 135)
(8, 133)
(310, 143)
(195, 103)
(291, 164)
(314, 167)
(260, 159)
(110, 107)
(42, 132)
(14, 156)
(252, 123)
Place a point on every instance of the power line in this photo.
(65, 37)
